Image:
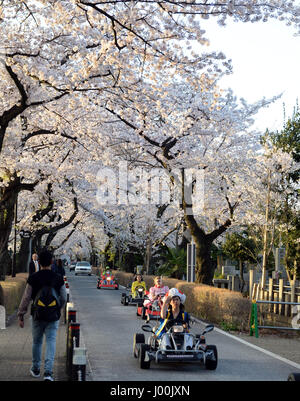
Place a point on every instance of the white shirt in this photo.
(37, 267)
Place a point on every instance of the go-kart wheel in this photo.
(125, 301)
(209, 363)
(138, 338)
(294, 377)
(144, 364)
(144, 317)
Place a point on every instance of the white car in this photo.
(83, 268)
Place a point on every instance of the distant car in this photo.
(83, 268)
(72, 266)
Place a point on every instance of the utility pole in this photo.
(265, 239)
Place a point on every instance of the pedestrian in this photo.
(60, 269)
(34, 265)
(45, 314)
(54, 265)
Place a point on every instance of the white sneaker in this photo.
(34, 372)
(48, 377)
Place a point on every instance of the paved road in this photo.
(107, 330)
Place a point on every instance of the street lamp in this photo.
(13, 268)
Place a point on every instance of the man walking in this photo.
(34, 265)
(41, 286)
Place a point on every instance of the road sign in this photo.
(25, 234)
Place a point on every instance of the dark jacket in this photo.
(165, 324)
(35, 282)
(32, 267)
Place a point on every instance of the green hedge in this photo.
(11, 292)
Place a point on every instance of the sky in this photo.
(266, 62)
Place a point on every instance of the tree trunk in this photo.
(24, 256)
(6, 222)
(265, 237)
(204, 268)
(36, 244)
(241, 264)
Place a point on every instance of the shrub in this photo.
(12, 291)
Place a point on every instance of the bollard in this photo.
(73, 340)
(71, 317)
(67, 290)
(2, 317)
(71, 314)
(79, 364)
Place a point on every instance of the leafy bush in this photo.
(175, 264)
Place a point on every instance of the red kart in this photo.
(108, 281)
(150, 310)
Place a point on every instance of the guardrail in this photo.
(75, 355)
(254, 326)
(283, 295)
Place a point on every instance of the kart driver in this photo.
(157, 291)
(136, 284)
(172, 312)
(106, 274)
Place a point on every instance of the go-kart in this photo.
(111, 282)
(151, 310)
(133, 299)
(176, 345)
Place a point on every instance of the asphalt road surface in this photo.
(107, 329)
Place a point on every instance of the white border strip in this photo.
(90, 372)
(282, 359)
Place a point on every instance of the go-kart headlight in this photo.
(178, 329)
(108, 278)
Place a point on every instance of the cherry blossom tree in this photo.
(69, 69)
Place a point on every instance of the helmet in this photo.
(174, 292)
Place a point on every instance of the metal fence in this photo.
(254, 318)
(281, 297)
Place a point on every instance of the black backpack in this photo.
(46, 305)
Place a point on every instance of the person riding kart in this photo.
(106, 274)
(171, 341)
(138, 283)
(156, 293)
(172, 313)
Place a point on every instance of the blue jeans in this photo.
(39, 328)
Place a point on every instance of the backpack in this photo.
(46, 305)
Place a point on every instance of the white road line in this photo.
(282, 359)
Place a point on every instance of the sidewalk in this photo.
(15, 352)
